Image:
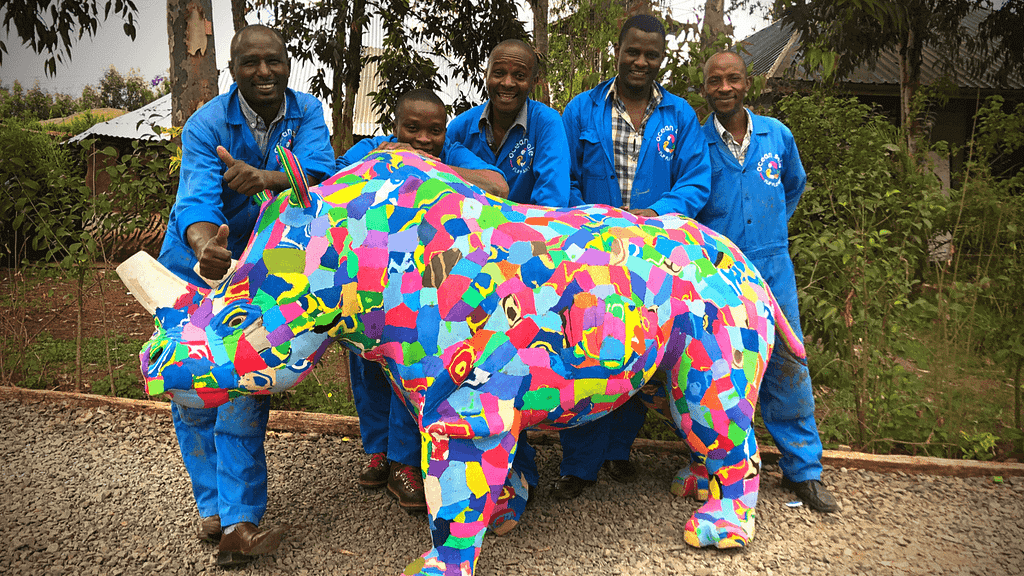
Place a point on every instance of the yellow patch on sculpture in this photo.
(475, 479)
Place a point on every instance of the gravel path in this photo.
(103, 491)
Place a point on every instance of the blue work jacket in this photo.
(203, 196)
(673, 173)
(752, 204)
(535, 163)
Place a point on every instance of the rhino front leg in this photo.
(463, 480)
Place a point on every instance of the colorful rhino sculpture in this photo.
(491, 318)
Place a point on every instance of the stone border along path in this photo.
(95, 485)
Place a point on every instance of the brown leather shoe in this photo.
(622, 471)
(405, 483)
(569, 487)
(375, 473)
(209, 529)
(245, 542)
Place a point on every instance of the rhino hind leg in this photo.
(712, 400)
(692, 481)
(726, 519)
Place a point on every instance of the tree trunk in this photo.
(193, 58)
(80, 289)
(346, 79)
(540, 44)
(238, 14)
(910, 80)
(714, 22)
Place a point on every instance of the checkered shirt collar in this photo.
(627, 139)
(739, 150)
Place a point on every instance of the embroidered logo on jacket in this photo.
(666, 142)
(521, 157)
(770, 169)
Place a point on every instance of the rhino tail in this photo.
(785, 329)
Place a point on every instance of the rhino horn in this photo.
(153, 285)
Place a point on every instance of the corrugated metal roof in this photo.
(134, 125)
(139, 124)
(771, 50)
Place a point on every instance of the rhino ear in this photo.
(153, 285)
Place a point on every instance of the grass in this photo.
(48, 363)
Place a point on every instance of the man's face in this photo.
(510, 78)
(422, 126)
(638, 58)
(260, 66)
(725, 84)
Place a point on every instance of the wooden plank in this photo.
(335, 424)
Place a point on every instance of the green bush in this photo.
(40, 215)
(859, 242)
(980, 299)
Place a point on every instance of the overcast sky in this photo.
(149, 55)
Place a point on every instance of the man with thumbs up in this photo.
(228, 156)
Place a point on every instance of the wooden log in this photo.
(335, 424)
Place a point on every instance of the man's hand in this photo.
(241, 177)
(645, 212)
(211, 246)
(404, 146)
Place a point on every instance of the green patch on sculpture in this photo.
(545, 399)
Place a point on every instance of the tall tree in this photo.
(714, 23)
(330, 34)
(48, 26)
(239, 8)
(860, 30)
(540, 45)
(193, 57)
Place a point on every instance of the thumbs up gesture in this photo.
(242, 177)
(214, 257)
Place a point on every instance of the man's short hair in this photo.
(521, 44)
(253, 28)
(419, 95)
(644, 23)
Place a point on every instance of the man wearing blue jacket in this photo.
(633, 145)
(522, 137)
(227, 157)
(389, 434)
(526, 141)
(756, 183)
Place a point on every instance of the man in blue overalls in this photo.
(756, 182)
(633, 145)
(227, 157)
